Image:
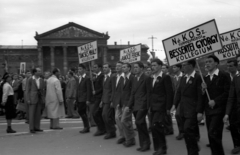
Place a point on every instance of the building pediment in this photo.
(71, 30)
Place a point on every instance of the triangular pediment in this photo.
(71, 30)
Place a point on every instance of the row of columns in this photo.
(65, 62)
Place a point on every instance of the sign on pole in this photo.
(193, 43)
(231, 44)
(131, 54)
(88, 52)
(22, 67)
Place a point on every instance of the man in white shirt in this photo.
(117, 100)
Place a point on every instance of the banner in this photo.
(22, 67)
(193, 43)
(131, 54)
(231, 44)
(88, 52)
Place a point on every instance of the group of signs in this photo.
(196, 42)
(89, 52)
(202, 40)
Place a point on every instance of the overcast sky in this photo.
(125, 20)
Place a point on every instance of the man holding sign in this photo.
(217, 83)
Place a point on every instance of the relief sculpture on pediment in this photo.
(71, 32)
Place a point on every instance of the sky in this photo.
(124, 20)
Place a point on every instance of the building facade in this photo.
(58, 48)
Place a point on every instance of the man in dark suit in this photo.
(138, 104)
(233, 110)
(97, 96)
(108, 111)
(84, 93)
(35, 99)
(160, 100)
(187, 98)
(217, 83)
(169, 124)
(176, 81)
(127, 123)
(117, 83)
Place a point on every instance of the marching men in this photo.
(217, 83)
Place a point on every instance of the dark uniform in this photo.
(188, 96)
(218, 89)
(160, 99)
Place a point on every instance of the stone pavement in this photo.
(70, 142)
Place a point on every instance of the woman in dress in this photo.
(8, 102)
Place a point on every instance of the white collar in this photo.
(180, 75)
(83, 76)
(34, 77)
(109, 74)
(99, 73)
(159, 75)
(215, 72)
(192, 75)
(121, 75)
(128, 75)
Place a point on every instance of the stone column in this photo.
(40, 58)
(65, 62)
(52, 58)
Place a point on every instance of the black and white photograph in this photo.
(120, 77)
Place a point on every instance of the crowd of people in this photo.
(110, 100)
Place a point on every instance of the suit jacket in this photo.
(138, 98)
(233, 104)
(98, 86)
(117, 91)
(189, 96)
(126, 90)
(33, 93)
(218, 90)
(71, 89)
(160, 96)
(107, 90)
(84, 90)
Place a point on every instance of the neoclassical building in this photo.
(58, 48)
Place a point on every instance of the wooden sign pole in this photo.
(202, 79)
(91, 76)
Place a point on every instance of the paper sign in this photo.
(88, 52)
(231, 44)
(193, 43)
(22, 67)
(131, 54)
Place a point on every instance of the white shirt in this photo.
(118, 78)
(213, 73)
(7, 91)
(156, 76)
(126, 76)
(98, 74)
(37, 81)
(177, 77)
(107, 75)
(189, 76)
(232, 76)
(80, 77)
(13, 82)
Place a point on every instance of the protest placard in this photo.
(193, 43)
(131, 54)
(88, 52)
(231, 44)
